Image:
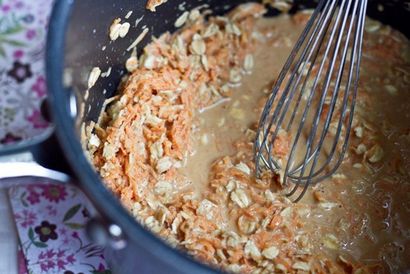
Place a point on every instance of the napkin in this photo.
(50, 220)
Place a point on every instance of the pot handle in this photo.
(15, 170)
(42, 157)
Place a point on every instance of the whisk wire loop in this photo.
(314, 97)
(324, 90)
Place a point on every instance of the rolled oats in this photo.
(235, 76)
(115, 29)
(375, 154)
(138, 39)
(94, 141)
(234, 29)
(358, 132)
(153, 224)
(391, 89)
(248, 63)
(206, 209)
(244, 168)
(109, 151)
(181, 19)
(204, 139)
(252, 250)
(211, 30)
(124, 28)
(301, 266)
(156, 150)
(339, 176)
(176, 223)
(164, 164)
(246, 225)
(198, 45)
(287, 212)
(330, 241)
(328, 205)
(153, 4)
(128, 15)
(163, 188)
(235, 268)
(93, 78)
(204, 62)
(149, 61)
(270, 196)
(132, 62)
(270, 252)
(281, 268)
(230, 186)
(361, 149)
(153, 120)
(281, 5)
(194, 15)
(357, 165)
(372, 26)
(240, 198)
(221, 122)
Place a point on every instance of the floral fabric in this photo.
(23, 27)
(50, 220)
(22, 267)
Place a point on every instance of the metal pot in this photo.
(77, 34)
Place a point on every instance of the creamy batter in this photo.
(176, 147)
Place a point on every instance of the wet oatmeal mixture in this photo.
(175, 146)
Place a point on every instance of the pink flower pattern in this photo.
(54, 260)
(5, 8)
(18, 54)
(54, 193)
(51, 210)
(37, 120)
(30, 34)
(55, 212)
(33, 197)
(25, 218)
(39, 86)
(23, 26)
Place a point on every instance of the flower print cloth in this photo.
(22, 267)
(23, 28)
(50, 220)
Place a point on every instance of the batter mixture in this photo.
(175, 146)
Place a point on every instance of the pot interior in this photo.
(88, 45)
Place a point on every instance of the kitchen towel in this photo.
(23, 29)
(50, 220)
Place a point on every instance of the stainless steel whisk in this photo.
(314, 98)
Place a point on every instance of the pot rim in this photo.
(89, 180)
